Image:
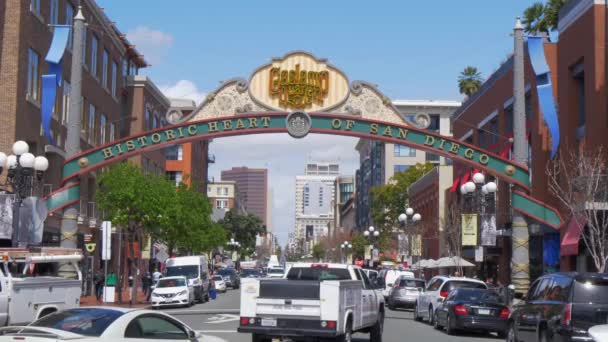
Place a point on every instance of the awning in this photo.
(569, 245)
(455, 184)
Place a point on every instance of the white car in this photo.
(92, 324)
(220, 284)
(172, 291)
(390, 276)
(437, 290)
(275, 272)
(599, 333)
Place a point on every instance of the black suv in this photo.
(231, 277)
(560, 307)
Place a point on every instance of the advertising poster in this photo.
(469, 229)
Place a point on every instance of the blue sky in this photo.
(410, 49)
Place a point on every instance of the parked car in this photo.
(220, 284)
(94, 324)
(599, 333)
(561, 307)
(440, 287)
(472, 309)
(231, 277)
(405, 292)
(275, 272)
(173, 291)
(389, 276)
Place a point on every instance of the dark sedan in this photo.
(472, 309)
(251, 273)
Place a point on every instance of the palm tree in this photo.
(552, 12)
(535, 20)
(469, 80)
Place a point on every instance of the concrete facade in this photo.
(252, 185)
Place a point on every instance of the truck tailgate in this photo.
(288, 307)
(281, 297)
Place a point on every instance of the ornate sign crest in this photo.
(298, 124)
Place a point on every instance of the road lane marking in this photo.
(223, 318)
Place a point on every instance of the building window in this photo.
(32, 75)
(94, 44)
(434, 126)
(174, 152)
(400, 168)
(114, 71)
(431, 157)
(580, 92)
(147, 119)
(125, 69)
(154, 122)
(84, 45)
(221, 204)
(54, 15)
(102, 129)
(104, 69)
(35, 6)
(225, 191)
(67, 88)
(91, 126)
(404, 151)
(132, 69)
(175, 176)
(69, 20)
(112, 131)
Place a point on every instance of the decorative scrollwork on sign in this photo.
(356, 87)
(241, 85)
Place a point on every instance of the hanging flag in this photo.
(51, 80)
(544, 88)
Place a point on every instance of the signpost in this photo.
(106, 252)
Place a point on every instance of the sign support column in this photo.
(520, 259)
(69, 221)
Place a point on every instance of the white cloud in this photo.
(285, 158)
(153, 44)
(184, 89)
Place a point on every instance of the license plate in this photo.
(269, 322)
(483, 311)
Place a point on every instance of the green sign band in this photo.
(537, 210)
(255, 123)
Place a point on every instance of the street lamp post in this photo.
(234, 246)
(372, 234)
(409, 219)
(479, 195)
(24, 171)
(344, 247)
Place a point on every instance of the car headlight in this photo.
(181, 293)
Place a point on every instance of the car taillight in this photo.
(566, 314)
(504, 313)
(244, 320)
(443, 294)
(461, 310)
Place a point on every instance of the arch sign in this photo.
(297, 94)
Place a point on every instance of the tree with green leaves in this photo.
(542, 18)
(469, 81)
(390, 200)
(318, 252)
(359, 243)
(135, 202)
(244, 228)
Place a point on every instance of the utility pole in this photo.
(520, 259)
(69, 222)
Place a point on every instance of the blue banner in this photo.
(544, 89)
(51, 80)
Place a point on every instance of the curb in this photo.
(202, 312)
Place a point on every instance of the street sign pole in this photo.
(106, 250)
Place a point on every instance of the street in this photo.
(219, 319)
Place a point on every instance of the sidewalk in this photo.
(140, 303)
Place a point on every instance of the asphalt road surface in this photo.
(218, 320)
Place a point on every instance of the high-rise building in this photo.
(315, 200)
(252, 185)
(380, 161)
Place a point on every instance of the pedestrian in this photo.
(156, 276)
(99, 280)
(490, 282)
(146, 282)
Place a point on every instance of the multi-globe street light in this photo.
(372, 234)
(344, 247)
(408, 219)
(24, 171)
(234, 246)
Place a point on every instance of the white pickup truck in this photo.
(312, 302)
(29, 288)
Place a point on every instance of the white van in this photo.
(390, 276)
(195, 269)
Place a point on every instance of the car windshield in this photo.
(593, 291)
(276, 270)
(250, 272)
(476, 295)
(411, 283)
(190, 271)
(171, 282)
(305, 273)
(217, 277)
(88, 322)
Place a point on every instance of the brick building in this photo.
(577, 62)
